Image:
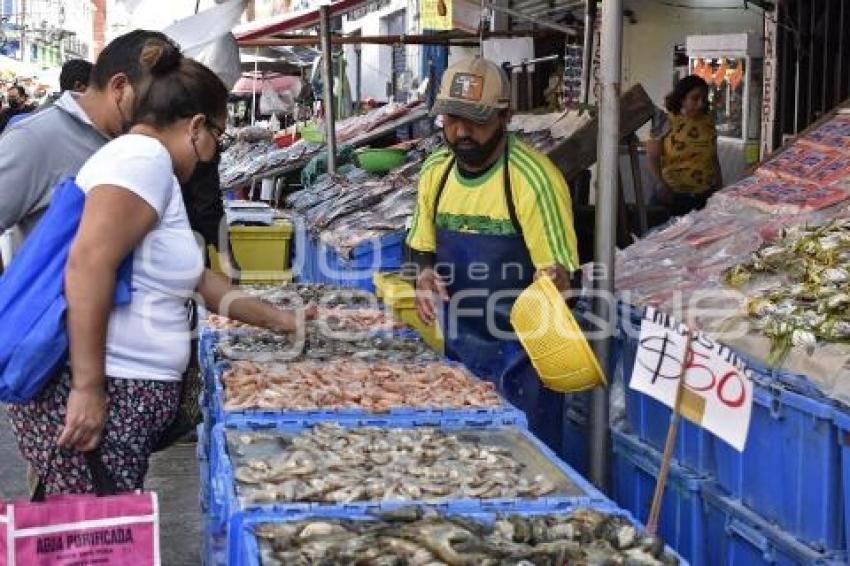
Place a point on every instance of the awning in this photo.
(292, 21)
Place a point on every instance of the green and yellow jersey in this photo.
(541, 200)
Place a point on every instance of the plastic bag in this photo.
(272, 102)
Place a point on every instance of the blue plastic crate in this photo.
(322, 264)
(574, 439)
(739, 537)
(842, 423)
(649, 419)
(204, 485)
(789, 471)
(202, 448)
(770, 376)
(224, 503)
(206, 351)
(681, 523)
(213, 547)
(244, 550)
(389, 251)
(506, 414)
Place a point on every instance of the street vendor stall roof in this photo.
(292, 21)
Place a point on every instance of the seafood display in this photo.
(332, 464)
(354, 126)
(321, 345)
(811, 297)
(244, 160)
(762, 267)
(335, 319)
(346, 210)
(414, 536)
(345, 384)
(805, 183)
(322, 294)
(338, 308)
(254, 154)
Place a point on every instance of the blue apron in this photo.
(468, 339)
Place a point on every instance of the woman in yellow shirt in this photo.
(682, 149)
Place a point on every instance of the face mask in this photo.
(202, 171)
(476, 154)
(202, 167)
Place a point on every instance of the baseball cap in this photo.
(474, 89)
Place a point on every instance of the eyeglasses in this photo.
(222, 139)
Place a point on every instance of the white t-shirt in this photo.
(149, 338)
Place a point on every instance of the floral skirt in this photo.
(139, 411)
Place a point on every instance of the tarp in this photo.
(292, 21)
(206, 37)
(277, 83)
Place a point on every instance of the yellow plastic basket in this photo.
(554, 342)
(400, 296)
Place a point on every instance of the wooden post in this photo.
(637, 183)
(669, 445)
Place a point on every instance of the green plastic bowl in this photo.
(311, 133)
(380, 160)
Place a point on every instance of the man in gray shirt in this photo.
(37, 153)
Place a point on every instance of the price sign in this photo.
(717, 387)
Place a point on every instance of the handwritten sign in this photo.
(717, 390)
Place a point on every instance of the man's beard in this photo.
(472, 154)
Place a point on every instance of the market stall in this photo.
(348, 443)
(762, 270)
(255, 156)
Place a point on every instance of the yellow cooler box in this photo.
(399, 295)
(262, 253)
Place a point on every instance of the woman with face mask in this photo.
(682, 151)
(122, 385)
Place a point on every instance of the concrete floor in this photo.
(173, 475)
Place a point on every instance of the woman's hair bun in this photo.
(160, 57)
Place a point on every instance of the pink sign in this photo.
(82, 530)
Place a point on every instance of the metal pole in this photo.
(587, 55)
(608, 149)
(254, 86)
(328, 86)
(22, 25)
(443, 38)
(359, 76)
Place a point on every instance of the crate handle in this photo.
(752, 536)
(645, 465)
(775, 408)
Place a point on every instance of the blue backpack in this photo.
(33, 333)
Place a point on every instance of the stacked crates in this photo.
(778, 501)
